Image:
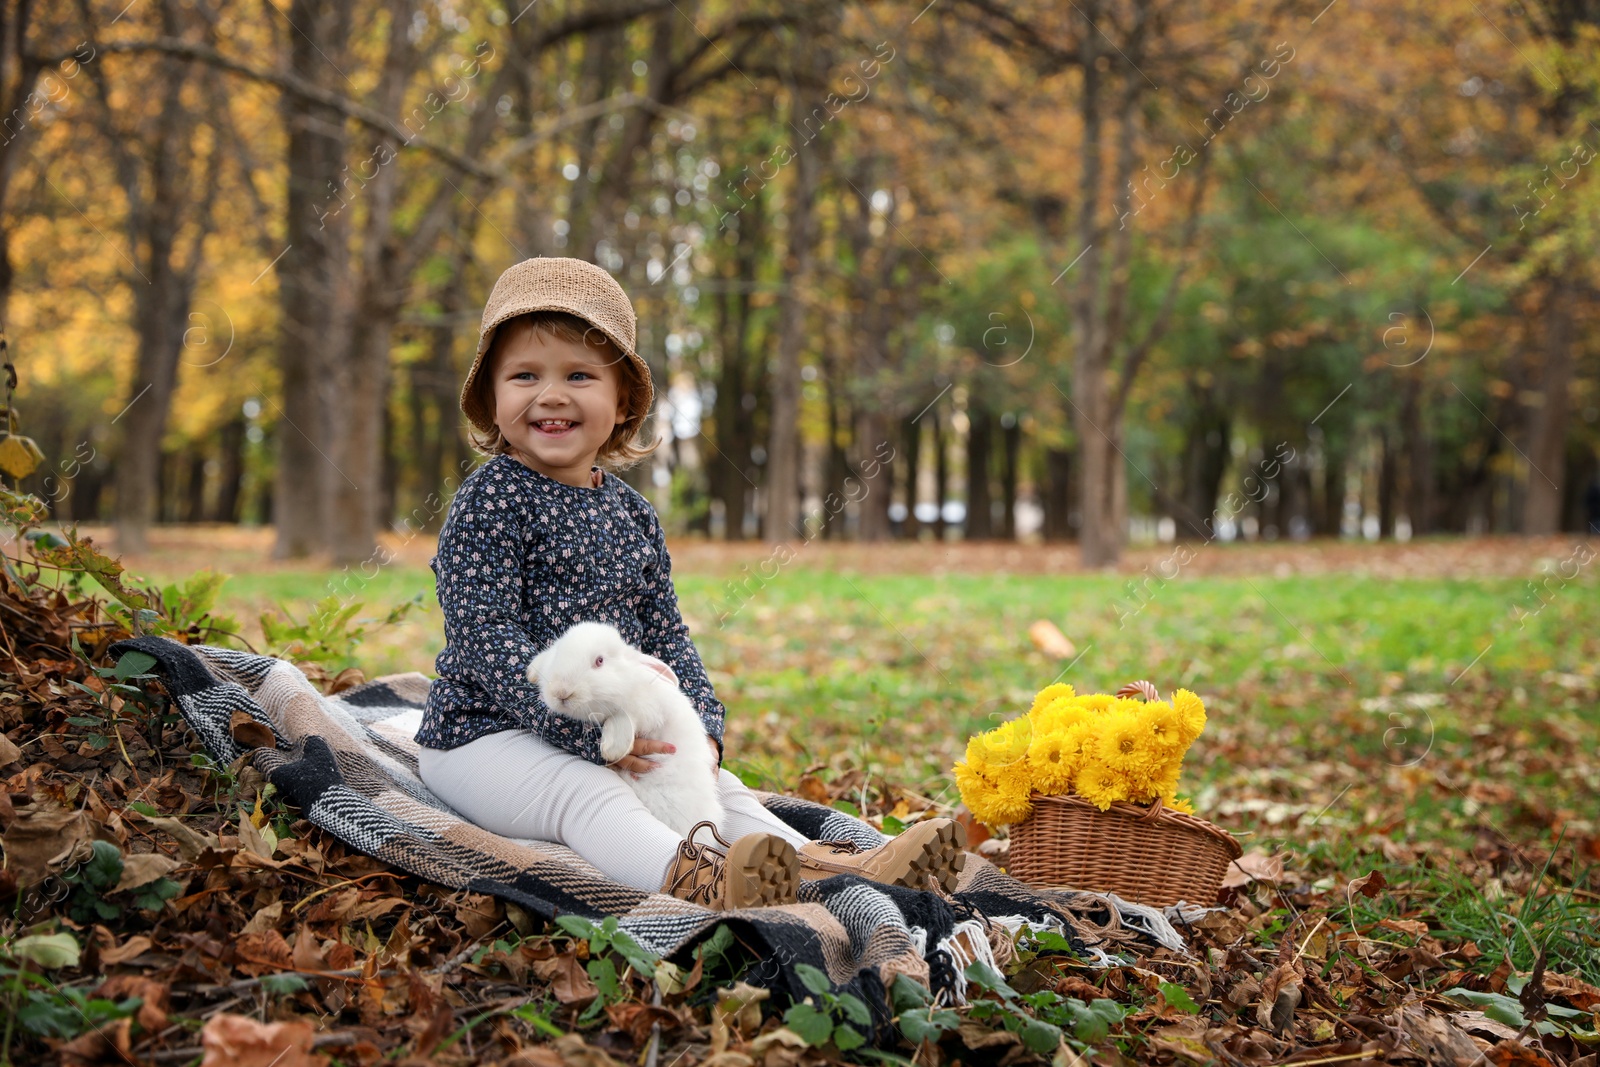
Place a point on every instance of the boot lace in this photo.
(703, 871)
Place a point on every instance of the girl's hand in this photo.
(642, 746)
(716, 758)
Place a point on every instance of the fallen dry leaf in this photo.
(1253, 866)
(1049, 639)
(1368, 885)
(1516, 1054)
(239, 1041)
(248, 732)
(568, 979)
(977, 1036)
(107, 1044)
(1280, 996)
(265, 919)
(1441, 1042)
(190, 841)
(253, 840)
(135, 946)
(578, 1053)
(44, 837)
(156, 995)
(142, 868)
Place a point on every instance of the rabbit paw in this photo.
(616, 739)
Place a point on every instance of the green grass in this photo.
(1423, 727)
(891, 673)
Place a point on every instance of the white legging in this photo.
(515, 784)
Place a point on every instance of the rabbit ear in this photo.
(537, 667)
(656, 665)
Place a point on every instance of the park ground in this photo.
(1367, 701)
(1427, 711)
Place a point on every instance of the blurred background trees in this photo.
(996, 271)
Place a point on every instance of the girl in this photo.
(540, 537)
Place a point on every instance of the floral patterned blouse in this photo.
(523, 556)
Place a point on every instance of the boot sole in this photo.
(761, 870)
(927, 853)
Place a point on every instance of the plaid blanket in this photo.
(349, 762)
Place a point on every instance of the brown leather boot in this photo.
(755, 871)
(930, 850)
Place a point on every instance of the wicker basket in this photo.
(1153, 855)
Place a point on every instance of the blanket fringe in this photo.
(1016, 924)
(1149, 920)
(993, 942)
(967, 944)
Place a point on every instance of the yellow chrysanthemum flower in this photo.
(977, 754)
(1047, 720)
(1123, 744)
(993, 801)
(977, 791)
(1080, 742)
(1052, 759)
(1006, 744)
(1066, 713)
(1164, 782)
(1126, 704)
(1012, 802)
(1165, 726)
(1077, 711)
(1096, 701)
(1099, 785)
(1049, 695)
(1191, 712)
(1177, 803)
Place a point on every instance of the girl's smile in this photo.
(554, 427)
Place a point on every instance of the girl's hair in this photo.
(622, 449)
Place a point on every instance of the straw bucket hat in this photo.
(553, 283)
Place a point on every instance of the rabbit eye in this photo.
(599, 660)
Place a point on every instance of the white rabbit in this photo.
(591, 674)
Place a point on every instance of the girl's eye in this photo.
(585, 373)
(523, 374)
(599, 660)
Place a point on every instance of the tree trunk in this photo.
(782, 520)
(874, 449)
(1099, 466)
(941, 474)
(358, 446)
(911, 449)
(837, 460)
(194, 504)
(1331, 517)
(733, 422)
(1387, 490)
(21, 69)
(230, 482)
(160, 310)
(1547, 437)
(389, 498)
(436, 379)
(1419, 474)
(1011, 442)
(598, 67)
(1057, 494)
(158, 188)
(1205, 461)
(980, 433)
(313, 275)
